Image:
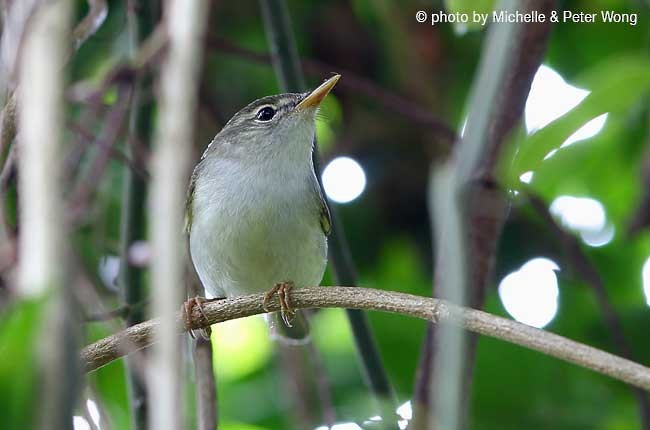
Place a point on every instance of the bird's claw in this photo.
(283, 290)
(188, 307)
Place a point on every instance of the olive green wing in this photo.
(325, 217)
(189, 201)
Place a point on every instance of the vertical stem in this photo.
(206, 387)
(287, 68)
(43, 265)
(140, 21)
(206, 390)
(498, 99)
(185, 22)
(478, 147)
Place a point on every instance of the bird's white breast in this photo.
(254, 226)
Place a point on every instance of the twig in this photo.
(185, 22)
(296, 383)
(97, 12)
(355, 84)
(134, 165)
(133, 215)
(114, 126)
(87, 27)
(43, 255)
(323, 387)
(206, 386)
(120, 312)
(108, 349)
(206, 390)
(287, 67)
(590, 274)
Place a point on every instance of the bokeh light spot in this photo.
(80, 423)
(585, 216)
(526, 177)
(343, 179)
(645, 276)
(530, 294)
(549, 98)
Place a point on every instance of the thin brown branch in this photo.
(115, 124)
(323, 386)
(136, 166)
(355, 84)
(206, 390)
(111, 348)
(206, 385)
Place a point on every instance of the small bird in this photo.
(256, 217)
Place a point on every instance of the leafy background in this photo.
(388, 227)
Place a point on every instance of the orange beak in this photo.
(315, 98)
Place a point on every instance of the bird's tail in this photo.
(297, 334)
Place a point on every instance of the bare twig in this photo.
(97, 12)
(136, 166)
(584, 267)
(13, 40)
(132, 223)
(185, 22)
(115, 124)
(296, 383)
(206, 390)
(354, 83)
(108, 349)
(43, 256)
(206, 386)
(323, 386)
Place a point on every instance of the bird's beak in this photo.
(314, 98)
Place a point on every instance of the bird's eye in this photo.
(265, 114)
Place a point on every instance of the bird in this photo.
(256, 215)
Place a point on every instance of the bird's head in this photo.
(275, 126)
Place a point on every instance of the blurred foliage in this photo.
(388, 226)
(19, 329)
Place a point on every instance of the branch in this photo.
(97, 12)
(133, 215)
(43, 258)
(185, 22)
(111, 348)
(206, 390)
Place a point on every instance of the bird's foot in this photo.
(188, 307)
(283, 290)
